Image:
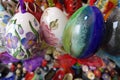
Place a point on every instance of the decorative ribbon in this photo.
(22, 6)
(29, 1)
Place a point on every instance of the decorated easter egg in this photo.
(53, 22)
(9, 5)
(22, 36)
(84, 32)
(4, 18)
(111, 43)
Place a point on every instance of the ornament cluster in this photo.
(59, 39)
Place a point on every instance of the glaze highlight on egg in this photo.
(84, 32)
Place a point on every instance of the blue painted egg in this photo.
(84, 32)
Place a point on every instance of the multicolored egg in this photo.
(84, 32)
(4, 18)
(22, 36)
(53, 22)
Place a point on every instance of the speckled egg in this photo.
(53, 22)
(84, 32)
(22, 36)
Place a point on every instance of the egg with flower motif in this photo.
(9, 5)
(4, 18)
(84, 32)
(22, 35)
(53, 22)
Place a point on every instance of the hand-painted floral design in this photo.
(29, 41)
(54, 24)
(22, 53)
(36, 49)
(47, 35)
(11, 41)
(20, 29)
(35, 23)
(6, 19)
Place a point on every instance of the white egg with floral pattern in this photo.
(22, 36)
(53, 22)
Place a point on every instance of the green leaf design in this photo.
(54, 24)
(11, 12)
(34, 31)
(15, 21)
(12, 21)
(21, 49)
(28, 53)
(17, 35)
(19, 26)
(16, 53)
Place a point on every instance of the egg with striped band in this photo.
(84, 32)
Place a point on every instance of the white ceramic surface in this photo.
(22, 35)
(53, 22)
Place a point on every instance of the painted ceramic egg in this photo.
(10, 5)
(53, 22)
(84, 32)
(111, 42)
(22, 36)
(4, 18)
